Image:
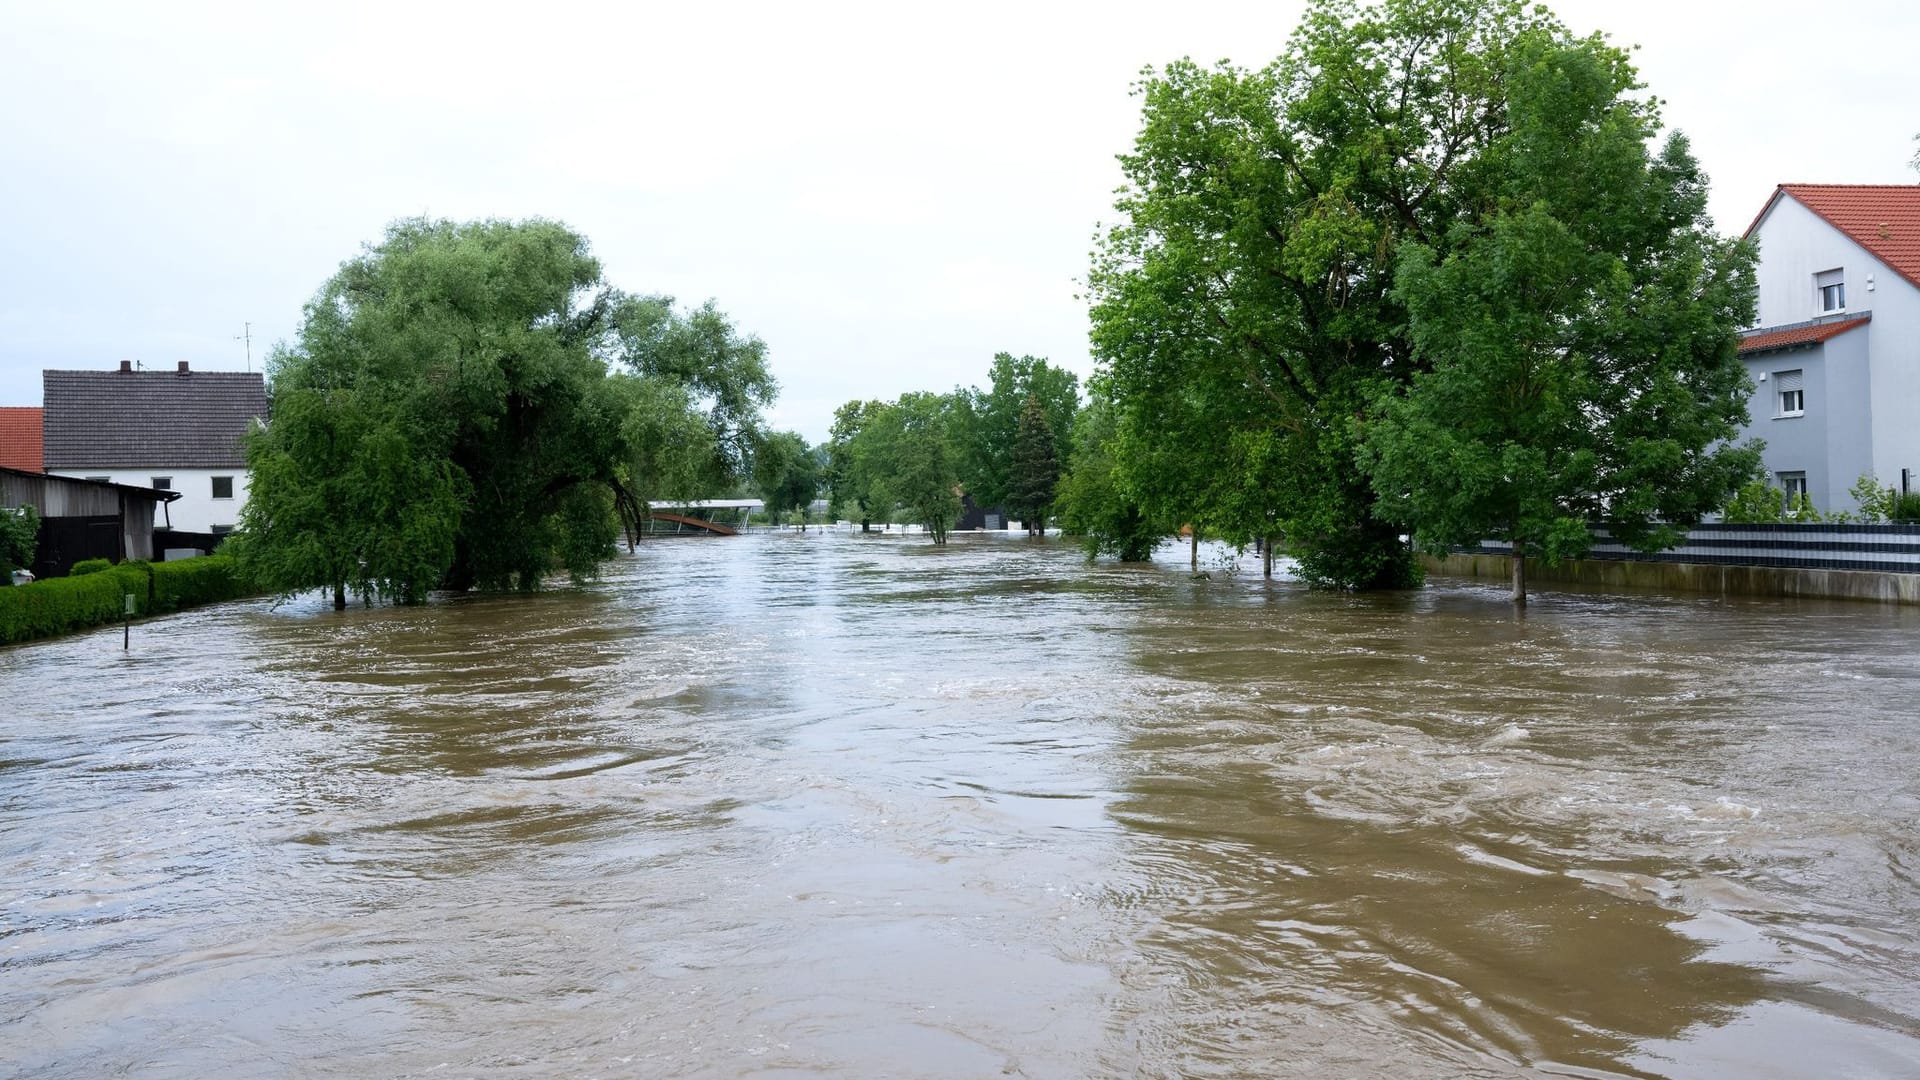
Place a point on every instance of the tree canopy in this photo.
(19, 539)
(990, 430)
(899, 455)
(450, 415)
(1035, 469)
(1299, 244)
(917, 454)
(785, 473)
(1096, 498)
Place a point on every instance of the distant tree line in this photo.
(913, 458)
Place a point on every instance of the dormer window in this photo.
(1832, 288)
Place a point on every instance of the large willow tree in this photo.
(1248, 309)
(470, 406)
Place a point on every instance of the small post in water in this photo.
(126, 632)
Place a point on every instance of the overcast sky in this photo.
(887, 194)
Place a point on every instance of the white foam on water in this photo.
(1507, 736)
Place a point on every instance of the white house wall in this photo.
(1895, 336)
(1796, 244)
(196, 510)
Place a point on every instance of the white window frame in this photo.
(1792, 483)
(1830, 285)
(1785, 383)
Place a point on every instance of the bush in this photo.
(1876, 502)
(1757, 502)
(192, 582)
(60, 605)
(89, 566)
(19, 532)
(1906, 508)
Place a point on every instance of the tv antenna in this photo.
(246, 335)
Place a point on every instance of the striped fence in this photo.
(1891, 549)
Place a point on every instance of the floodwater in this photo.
(841, 806)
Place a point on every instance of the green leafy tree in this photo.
(446, 416)
(19, 539)
(1244, 307)
(1035, 469)
(903, 456)
(986, 423)
(1579, 330)
(1096, 498)
(785, 473)
(723, 371)
(850, 479)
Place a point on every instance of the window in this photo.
(163, 483)
(222, 530)
(223, 487)
(1794, 484)
(101, 479)
(1792, 393)
(1832, 289)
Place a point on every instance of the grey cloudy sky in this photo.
(888, 194)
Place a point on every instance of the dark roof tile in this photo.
(157, 419)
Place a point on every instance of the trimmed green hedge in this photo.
(89, 566)
(60, 605)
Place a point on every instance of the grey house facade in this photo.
(1835, 359)
(178, 430)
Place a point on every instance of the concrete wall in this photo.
(1693, 578)
(196, 510)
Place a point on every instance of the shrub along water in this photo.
(61, 605)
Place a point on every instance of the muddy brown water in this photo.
(831, 806)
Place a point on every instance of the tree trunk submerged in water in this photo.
(1520, 572)
(339, 596)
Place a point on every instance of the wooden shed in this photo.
(83, 519)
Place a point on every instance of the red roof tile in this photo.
(1883, 218)
(1798, 334)
(20, 438)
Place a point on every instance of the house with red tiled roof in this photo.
(20, 440)
(1835, 355)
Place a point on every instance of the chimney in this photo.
(183, 367)
(126, 365)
